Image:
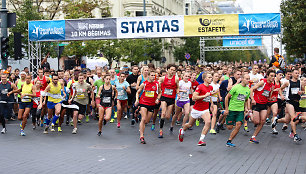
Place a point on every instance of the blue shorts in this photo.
(23, 105)
(51, 105)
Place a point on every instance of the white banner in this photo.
(150, 27)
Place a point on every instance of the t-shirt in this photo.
(98, 83)
(82, 93)
(215, 88)
(183, 86)
(255, 78)
(132, 79)
(203, 104)
(239, 95)
(122, 94)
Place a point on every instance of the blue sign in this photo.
(239, 41)
(187, 56)
(259, 24)
(46, 30)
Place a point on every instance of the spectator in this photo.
(83, 64)
(44, 63)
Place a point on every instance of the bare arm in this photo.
(196, 96)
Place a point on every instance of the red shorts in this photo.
(98, 100)
(105, 107)
(123, 102)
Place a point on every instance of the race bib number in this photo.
(80, 96)
(26, 99)
(106, 100)
(36, 100)
(266, 93)
(207, 99)
(4, 91)
(56, 96)
(241, 97)
(120, 92)
(284, 93)
(149, 93)
(184, 95)
(295, 90)
(168, 91)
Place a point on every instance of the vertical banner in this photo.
(259, 24)
(91, 29)
(46, 30)
(211, 25)
(150, 27)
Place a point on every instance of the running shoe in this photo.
(253, 140)
(268, 121)
(190, 128)
(212, 131)
(247, 116)
(285, 127)
(99, 133)
(274, 131)
(197, 122)
(52, 128)
(201, 143)
(112, 120)
(57, 121)
(161, 134)
(297, 117)
(118, 125)
(142, 141)
(104, 122)
(218, 128)
(246, 129)
(181, 135)
(222, 127)
(59, 129)
(274, 122)
(177, 123)
(87, 119)
(297, 138)
(34, 127)
(46, 129)
(115, 116)
(228, 144)
(3, 131)
(79, 122)
(125, 117)
(171, 129)
(22, 133)
(153, 127)
(291, 134)
(74, 131)
(133, 122)
(71, 122)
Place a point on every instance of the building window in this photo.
(187, 9)
(139, 13)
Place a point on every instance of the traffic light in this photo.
(18, 45)
(4, 47)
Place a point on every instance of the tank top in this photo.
(36, 99)
(150, 92)
(106, 97)
(169, 87)
(303, 100)
(275, 93)
(19, 84)
(5, 89)
(27, 89)
(261, 94)
(43, 81)
(234, 81)
(225, 77)
(55, 92)
(294, 88)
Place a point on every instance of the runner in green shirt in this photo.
(238, 97)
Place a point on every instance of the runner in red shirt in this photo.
(170, 87)
(44, 80)
(148, 101)
(202, 97)
(262, 92)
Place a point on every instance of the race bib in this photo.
(207, 99)
(106, 100)
(168, 91)
(26, 99)
(81, 96)
(295, 90)
(184, 95)
(241, 97)
(36, 100)
(266, 93)
(120, 92)
(4, 91)
(149, 93)
(56, 96)
(284, 93)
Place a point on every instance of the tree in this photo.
(293, 23)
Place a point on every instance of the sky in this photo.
(263, 6)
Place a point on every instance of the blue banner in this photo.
(46, 30)
(259, 24)
(240, 41)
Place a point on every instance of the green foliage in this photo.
(293, 23)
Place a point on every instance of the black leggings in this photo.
(36, 115)
(3, 107)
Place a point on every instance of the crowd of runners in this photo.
(235, 94)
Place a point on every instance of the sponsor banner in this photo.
(211, 25)
(46, 30)
(91, 29)
(259, 24)
(241, 41)
(150, 27)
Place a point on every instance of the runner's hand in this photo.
(39, 106)
(123, 87)
(136, 103)
(69, 101)
(226, 112)
(253, 102)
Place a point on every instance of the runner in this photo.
(80, 98)
(262, 92)
(132, 80)
(194, 85)
(123, 89)
(282, 101)
(106, 95)
(202, 97)
(54, 104)
(183, 102)
(170, 87)
(215, 98)
(234, 109)
(37, 108)
(147, 102)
